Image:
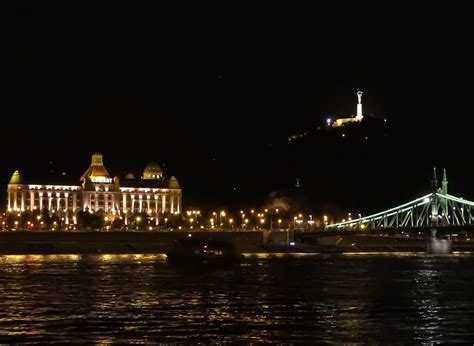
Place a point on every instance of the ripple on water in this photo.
(324, 298)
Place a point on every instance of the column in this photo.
(113, 203)
(58, 201)
(22, 200)
(66, 202)
(96, 197)
(148, 202)
(106, 199)
(14, 200)
(40, 200)
(132, 209)
(163, 203)
(9, 205)
(49, 200)
(74, 201)
(32, 200)
(178, 201)
(124, 202)
(172, 203)
(140, 201)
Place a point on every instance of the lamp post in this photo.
(221, 215)
(271, 218)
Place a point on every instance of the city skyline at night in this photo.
(213, 173)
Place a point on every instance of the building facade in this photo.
(99, 192)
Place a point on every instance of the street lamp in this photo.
(222, 214)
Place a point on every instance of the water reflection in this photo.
(308, 299)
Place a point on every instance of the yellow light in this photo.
(231, 221)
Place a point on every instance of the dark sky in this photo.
(212, 94)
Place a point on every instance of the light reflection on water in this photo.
(268, 298)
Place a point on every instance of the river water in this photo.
(311, 299)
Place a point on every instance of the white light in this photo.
(101, 180)
(426, 200)
(292, 243)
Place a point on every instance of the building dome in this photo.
(173, 183)
(16, 178)
(130, 176)
(152, 171)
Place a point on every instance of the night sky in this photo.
(213, 93)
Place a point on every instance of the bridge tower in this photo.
(444, 191)
(434, 182)
(444, 183)
(434, 203)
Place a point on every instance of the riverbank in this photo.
(55, 242)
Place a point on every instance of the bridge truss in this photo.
(436, 208)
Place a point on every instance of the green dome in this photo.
(16, 178)
(173, 183)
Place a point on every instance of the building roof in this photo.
(173, 183)
(152, 168)
(144, 183)
(96, 168)
(130, 176)
(50, 179)
(16, 178)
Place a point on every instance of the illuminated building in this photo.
(357, 119)
(152, 194)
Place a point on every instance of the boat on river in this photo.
(194, 251)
